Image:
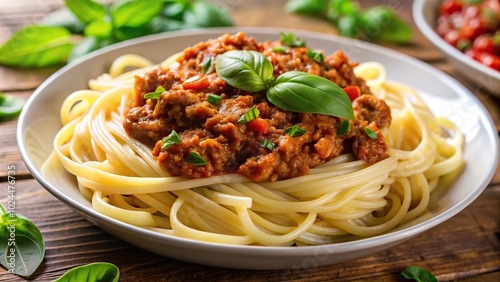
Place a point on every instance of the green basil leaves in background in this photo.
(418, 274)
(22, 248)
(94, 272)
(292, 91)
(10, 106)
(378, 23)
(36, 46)
(87, 25)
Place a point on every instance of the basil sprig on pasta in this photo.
(293, 91)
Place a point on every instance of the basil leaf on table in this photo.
(418, 274)
(94, 272)
(36, 46)
(382, 23)
(307, 93)
(309, 7)
(174, 9)
(203, 14)
(10, 106)
(134, 12)
(350, 25)
(245, 70)
(21, 244)
(339, 8)
(86, 10)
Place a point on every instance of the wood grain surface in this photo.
(464, 248)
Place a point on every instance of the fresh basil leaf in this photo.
(196, 159)
(289, 39)
(307, 93)
(249, 115)
(63, 17)
(86, 10)
(156, 94)
(418, 274)
(308, 7)
(214, 99)
(295, 131)
(372, 134)
(382, 23)
(36, 46)
(317, 56)
(134, 13)
(264, 143)
(10, 106)
(94, 272)
(343, 128)
(172, 139)
(99, 29)
(203, 14)
(246, 70)
(22, 248)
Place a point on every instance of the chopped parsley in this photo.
(251, 114)
(295, 131)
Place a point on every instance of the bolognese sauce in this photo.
(263, 148)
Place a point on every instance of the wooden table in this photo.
(465, 248)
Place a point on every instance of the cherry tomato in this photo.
(452, 37)
(450, 6)
(490, 60)
(472, 28)
(484, 43)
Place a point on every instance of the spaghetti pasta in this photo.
(338, 199)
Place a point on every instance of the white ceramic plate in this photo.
(39, 123)
(425, 14)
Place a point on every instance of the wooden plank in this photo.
(464, 247)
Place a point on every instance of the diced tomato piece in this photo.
(259, 125)
(197, 82)
(449, 7)
(352, 91)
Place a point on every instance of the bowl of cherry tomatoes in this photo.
(468, 33)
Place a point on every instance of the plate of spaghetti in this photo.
(258, 148)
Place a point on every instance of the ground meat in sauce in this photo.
(228, 146)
